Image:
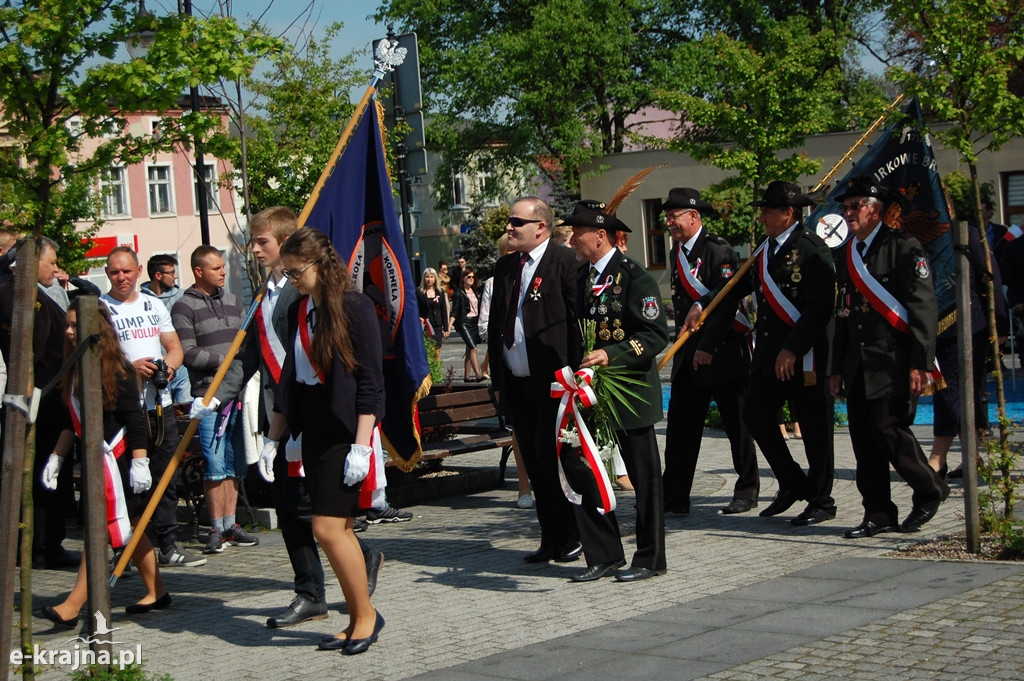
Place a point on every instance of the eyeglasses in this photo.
(856, 205)
(519, 222)
(172, 273)
(470, 276)
(672, 217)
(295, 274)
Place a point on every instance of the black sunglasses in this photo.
(519, 222)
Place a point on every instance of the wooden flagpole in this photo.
(742, 271)
(387, 59)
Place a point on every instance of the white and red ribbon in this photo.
(574, 391)
(598, 289)
(783, 307)
(271, 348)
(371, 492)
(1013, 232)
(305, 339)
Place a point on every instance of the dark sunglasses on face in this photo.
(519, 222)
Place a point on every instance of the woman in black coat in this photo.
(465, 318)
(433, 304)
(331, 394)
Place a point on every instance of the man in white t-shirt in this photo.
(143, 326)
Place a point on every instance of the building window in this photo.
(1013, 190)
(459, 191)
(654, 232)
(114, 192)
(160, 199)
(210, 176)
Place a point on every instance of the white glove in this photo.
(200, 411)
(50, 472)
(357, 464)
(267, 457)
(139, 476)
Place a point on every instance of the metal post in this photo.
(202, 191)
(90, 378)
(400, 156)
(968, 432)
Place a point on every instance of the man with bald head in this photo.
(532, 333)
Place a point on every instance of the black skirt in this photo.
(325, 446)
(469, 329)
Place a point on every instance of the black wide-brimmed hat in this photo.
(865, 185)
(684, 198)
(590, 214)
(782, 195)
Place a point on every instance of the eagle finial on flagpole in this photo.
(387, 56)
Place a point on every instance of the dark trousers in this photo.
(532, 411)
(164, 526)
(50, 507)
(600, 533)
(812, 407)
(881, 435)
(687, 411)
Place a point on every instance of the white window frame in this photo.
(170, 189)
(214, 205)
(125, 194)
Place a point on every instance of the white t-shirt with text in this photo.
(139, 324)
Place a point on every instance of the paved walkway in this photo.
(745, 598)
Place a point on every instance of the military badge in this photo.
(726, 271)
(602, 309)
(618, 334)
(616, 306)
(649, 308)
(921, 267)
(617, 290)
(535, 293)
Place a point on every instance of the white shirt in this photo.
(273, 293)
(515, 357)
(138, 324)
(304, 371)
(781, 239)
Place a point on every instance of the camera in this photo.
(159, 376)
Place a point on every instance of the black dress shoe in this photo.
(541, 555)
(51, 614)
(956, 474)
(65, 559)
(869, 528)
(569, 553)
(812, 515)
(781, 503)
(636, 574)
(919, 515)
(373, 562)
(360, 645)
(596, 572)
(301, 610)
(140, 608)
(332, 643)
(677, 510)
(739, 506)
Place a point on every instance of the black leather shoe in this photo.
(919, 515)
(569, 553)
(677, 510)
(636, 574)
(301, 610)
(51, 614)
(541, 555)
(781, 503)
(739, 506)
(812, 515)
(140, 608)
(373, 563)
(332, 643)
(65, 559)
(868, 528)
(361, 645)
(956, 474)
(596, 572)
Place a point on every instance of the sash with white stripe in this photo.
(371, 492)
(1012, 232)
(119, 526)
(696, 290)
(886, 305)
(305, 340)
(271, 347)
(783, 307)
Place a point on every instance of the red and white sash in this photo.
(119, 525)
(696, 290)
(1012, 232)
(884, 303)
(572, 395)
(305, 339)
(271, 347)
(782, 306)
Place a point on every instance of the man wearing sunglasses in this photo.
(531, 334)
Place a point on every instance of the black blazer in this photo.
(350, 393)
(549, 318)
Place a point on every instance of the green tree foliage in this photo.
(962, 194)
(304, 104)
(551, 82)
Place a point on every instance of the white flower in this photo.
(607, 451)
(569, 437)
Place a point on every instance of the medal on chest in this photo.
(535, 293)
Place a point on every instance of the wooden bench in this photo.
(471, 417)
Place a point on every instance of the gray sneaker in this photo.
(176, 556)
(215, 543)
(237, 536)
(388, 514)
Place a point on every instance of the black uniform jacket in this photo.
(864, 339)
(731, 358)
(636, 330)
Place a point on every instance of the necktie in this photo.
(592, 279)
(773, 246)
(861, 247)
(509, 332)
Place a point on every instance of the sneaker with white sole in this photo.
(176, 556)
(237, 536)
(388, 514)
(525, 501)
(215, 543)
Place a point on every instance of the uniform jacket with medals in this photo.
(631, 329)
(549, 322)
(864, 339)
(804, 272)
(718, 262)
